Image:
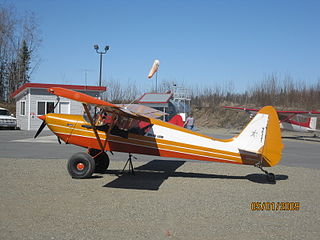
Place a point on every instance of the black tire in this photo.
(271, 177)
(81, 165)
(101, 160)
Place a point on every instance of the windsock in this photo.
(154, 68)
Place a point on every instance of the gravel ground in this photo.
(165, 200)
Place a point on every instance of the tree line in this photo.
(283, 93)
(207, 103)
(19, 40)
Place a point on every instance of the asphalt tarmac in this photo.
(166, 199)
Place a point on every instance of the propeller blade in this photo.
(59, 140)
(43, 124)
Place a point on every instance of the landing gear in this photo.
(101, 160)
(81, 165)
(131, 169)
(270, 176)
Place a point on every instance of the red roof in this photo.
(45, 85)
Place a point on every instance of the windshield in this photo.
(4, 112)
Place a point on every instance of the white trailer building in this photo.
(33, 100)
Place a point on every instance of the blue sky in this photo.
(199, 43)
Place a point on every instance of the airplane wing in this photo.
(305, 113)
(284, 113)
(80, 97)
(142, 110)
(136, 112)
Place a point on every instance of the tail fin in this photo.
(313, 122)
(262, 136)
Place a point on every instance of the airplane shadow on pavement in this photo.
(151, 175)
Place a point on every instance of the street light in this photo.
(96, 47)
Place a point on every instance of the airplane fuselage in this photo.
(162, 139)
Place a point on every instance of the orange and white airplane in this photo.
(136, 131)
(287, 122)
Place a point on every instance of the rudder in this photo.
(272, 149)
(262, 137)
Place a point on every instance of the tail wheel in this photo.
(101, 160)
(81, 165)
(271, 177)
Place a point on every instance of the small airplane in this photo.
(308, 123)
(108, 127)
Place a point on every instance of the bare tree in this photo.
(19, 40)
(121, 93)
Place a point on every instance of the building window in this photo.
(45, 107)
(50, 107)
(23, 108)
(41, 108)
(64, 107)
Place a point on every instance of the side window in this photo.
(41, 108)
(121, 126)
(50, 107)
(23, 108)
(45, 107)
(139, 127)
(125, 125)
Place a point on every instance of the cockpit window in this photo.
(121, 125)
(125, 125)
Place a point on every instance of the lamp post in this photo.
(106, 48)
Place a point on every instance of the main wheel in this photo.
(101, 160)
(81, 165)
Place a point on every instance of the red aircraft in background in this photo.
(287, 122)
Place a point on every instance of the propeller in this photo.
(43, 124)
(43, 118)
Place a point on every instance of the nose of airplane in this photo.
(43, 117)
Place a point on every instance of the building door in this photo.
(64, 107)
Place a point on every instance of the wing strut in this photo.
(112, 124)
(85, 106)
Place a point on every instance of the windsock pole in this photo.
(157, 82)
